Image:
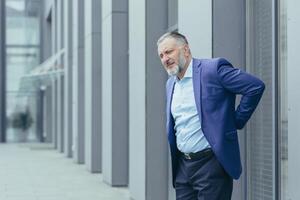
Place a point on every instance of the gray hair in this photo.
(181, 39)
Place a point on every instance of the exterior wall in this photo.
(68, 76)
(137, 101)
(60, 83)
(54, 82)
(105, 42)
(48, 114)
(229, 41)
(45, 52)
(115, 92)
(147, 139)
(198, 32)
(156, 140)
(107, 52)
(60, 113)
(93, 112)
(293, 71)
(46, 32)
(78, 81)
(54, 104)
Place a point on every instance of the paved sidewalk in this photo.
(38, 172)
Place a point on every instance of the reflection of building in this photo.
(23, 54)
(102, 97)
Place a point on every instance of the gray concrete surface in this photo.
(38, 172)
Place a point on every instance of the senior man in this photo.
(202, 119)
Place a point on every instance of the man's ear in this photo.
(186, 50)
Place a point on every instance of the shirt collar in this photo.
(189, 70)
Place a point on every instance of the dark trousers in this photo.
(202, 179)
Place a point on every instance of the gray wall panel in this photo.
(120, 98)
(107, 97)
(156, 140)
(93, 113)
(96, 97)
(172, 14)
(120, 6)
(62, 111)
(115, 94)
(229, 41)
(137, 93)
(293, 70)
(54, 111)
(60, 114)
(49, 114)
(68, 66)
(148, 145)
(229, 35)
(198, 32)
(46, 32)
(78, 81)
(54, 83)
(60, 103)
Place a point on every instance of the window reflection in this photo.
(23, 49)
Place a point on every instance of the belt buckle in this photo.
(187, 156)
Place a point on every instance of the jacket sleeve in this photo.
(239, 82)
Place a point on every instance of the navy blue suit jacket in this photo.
(216, 83)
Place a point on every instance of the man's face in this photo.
(171, 56)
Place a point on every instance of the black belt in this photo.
(197, 155)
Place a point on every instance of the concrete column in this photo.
(54, 27)
(39, 99)
(148, 142)
(60, 112)
(199, 31)
(78, 81)
(46, 51)
(229, 41)
(68, 74)
(115, 91)
(2, 73)
(46, 29)
(54, 81)
(54, 111)
(93, 113)
(60, 95)
(48, 114)
(58, 115)
(293, 81)
(137, 101)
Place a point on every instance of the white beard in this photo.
(177, 68)
(173, 71)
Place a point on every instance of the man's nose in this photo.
(165, 59)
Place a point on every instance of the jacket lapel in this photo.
(170, 89)
(197, 84)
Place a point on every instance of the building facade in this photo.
(102, 86)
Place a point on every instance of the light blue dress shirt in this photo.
(189, 135)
